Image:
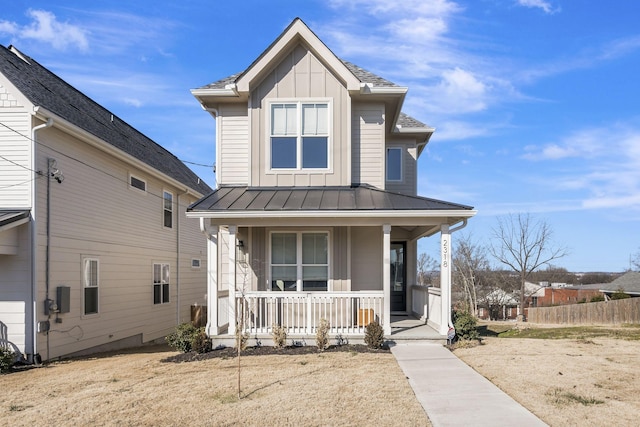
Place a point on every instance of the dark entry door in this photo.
(398, 277)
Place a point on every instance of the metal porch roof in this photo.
(312, 199)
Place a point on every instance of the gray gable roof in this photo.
(628, 282)
(300, 199)
(43, 88)
(365, 76)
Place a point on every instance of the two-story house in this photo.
(316, 213)
(95, 249)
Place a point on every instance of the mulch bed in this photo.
(230, 352)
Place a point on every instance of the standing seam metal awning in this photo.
(313, 199)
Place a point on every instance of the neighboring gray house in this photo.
(629, 283)
(316, 214)
(95, 248)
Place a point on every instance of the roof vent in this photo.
(19, 54)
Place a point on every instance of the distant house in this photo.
(316, 214)
(550, 294)
(95, 248)
(629, 283)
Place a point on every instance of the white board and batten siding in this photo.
(368, 147)
(232, 167)
(16, 175)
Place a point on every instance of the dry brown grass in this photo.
(565, 382)
(137, 389)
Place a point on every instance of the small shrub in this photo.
(620, 294)
(279, 336)
(201, 342)
(597, 298)
(322, 335)
(7, 357)
(374, 335)
(466, 325)
(182, 338)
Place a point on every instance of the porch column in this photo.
(386, 277)
(445, 278)
(212, 281)
(233, 229)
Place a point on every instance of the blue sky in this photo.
(535, 102)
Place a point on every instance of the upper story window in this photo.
(299, 135)
(394, 164)
(137, 183)
(167, 208)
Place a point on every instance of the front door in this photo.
(398, 277)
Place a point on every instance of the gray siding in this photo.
(233, 159)
(368, 152)
(94, 213)
(408, 185)
(366, 258)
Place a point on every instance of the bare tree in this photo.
(524, 244)
(635, 261)
(469, 265)
(427, 266)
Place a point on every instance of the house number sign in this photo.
(445, 253)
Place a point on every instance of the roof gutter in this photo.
(96, 142)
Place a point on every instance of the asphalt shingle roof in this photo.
(365, 76)
(628, 282)
(356, 198)
(44, 88)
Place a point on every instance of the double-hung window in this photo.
(167, 209)
(299, 135)
(300, 261)
(160, 283)
(90, 285)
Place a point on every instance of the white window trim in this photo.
(299, 264)
(153, 283)
(299, 102)
(84, 261)
(172, 209)
(401, 164)
(131, 187)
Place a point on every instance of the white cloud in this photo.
(540, 4)
(45, 27)
(602, 164)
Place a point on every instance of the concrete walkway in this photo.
(453, 394)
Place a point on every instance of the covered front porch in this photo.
(299, 264)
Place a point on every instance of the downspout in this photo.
(460, 227)
(178, 256)
(34, 238)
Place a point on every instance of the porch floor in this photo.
(408, 328)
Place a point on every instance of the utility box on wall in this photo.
(63, 299)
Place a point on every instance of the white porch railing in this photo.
(427, 304)
(300, 312)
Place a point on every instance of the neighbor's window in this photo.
(300, 261)
(394, 164)
(160, 283)
(167, 208)
(137, 183)
(90, 285)
(195, 263)
(299, 135)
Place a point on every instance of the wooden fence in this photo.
(613, 312)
